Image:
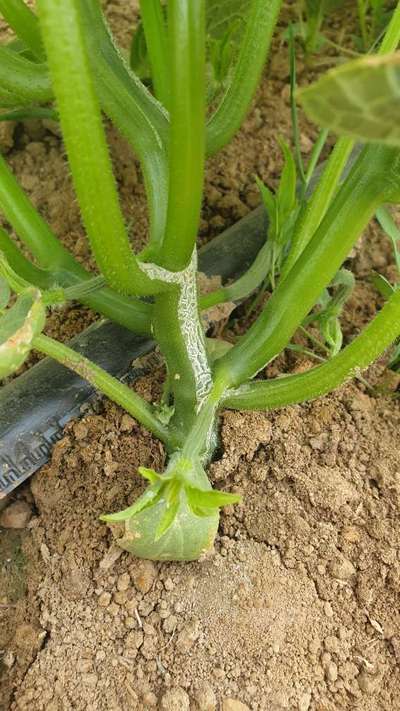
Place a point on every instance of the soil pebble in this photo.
(16, 515)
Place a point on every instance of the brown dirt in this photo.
(297, 609)
(299, 606)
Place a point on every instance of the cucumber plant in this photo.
(68, 64)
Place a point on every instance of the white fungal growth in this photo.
(189, 322)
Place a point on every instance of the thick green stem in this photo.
(168, 335)
(369, 345)
(139, 117)
(201, 439)
(179, 332)
(152, 16)
(24, 23)
(260, 25)
(86, 147)
(374, 179)
(186, 30)
(100, 379)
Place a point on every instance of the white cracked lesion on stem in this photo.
(189, 321)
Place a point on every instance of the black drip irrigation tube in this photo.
(35, 407)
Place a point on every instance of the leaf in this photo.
(382, 285)
(167, 520)
(139, 57)
(359, 99)
(286, 195)
(270, 205)
(19, 325)
(199, 499)
(145, 500)
(4, 294)
(150, 475)
(216, 348)
(223, 15)
(389, 226)
(332, 332)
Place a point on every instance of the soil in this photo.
(298, 607)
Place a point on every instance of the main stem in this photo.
(186, 30)
(176, 322)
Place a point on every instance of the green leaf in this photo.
(139, 57)
(286, 195)
(223, 15)
(168, 518)
(270, 205)
(382, 285)
(19, 325)
(4, 294)
(332, 332)
(359, 99)
(199, 499)
(150, 475)
(216, 348)
(389, 226)
(146, 499)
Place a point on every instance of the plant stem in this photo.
(28, 224)
(373, 180)
(86, 147)
(24, 23)
(391, 39)
(168, 334)
(293, 107)
(200, 441)
(242, 287)
(107, 384)
(152, 17)
(260, 25)
(368, 346)
(312, 216)
(56, 260)
(179, 332)
(22, 266)
(186, 28)
(362, 19)
(136, 113)
(22, 79)
(315, 154)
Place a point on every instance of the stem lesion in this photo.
(179, 332)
